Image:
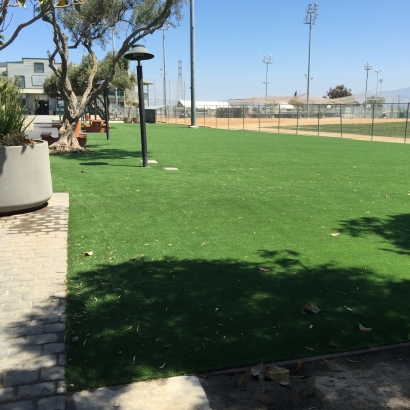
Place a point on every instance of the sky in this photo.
(232, 35)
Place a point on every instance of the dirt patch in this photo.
(372, 381)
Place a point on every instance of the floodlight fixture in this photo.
(266, 60)
(310, 18)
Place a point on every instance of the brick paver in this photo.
(33, 265)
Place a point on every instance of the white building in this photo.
(31, 74)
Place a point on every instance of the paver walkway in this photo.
(33, 266)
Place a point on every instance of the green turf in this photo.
(380, 129)
(174, 277)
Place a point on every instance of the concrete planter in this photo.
(25, 177)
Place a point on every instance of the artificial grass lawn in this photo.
(174, 276)
(385, 129)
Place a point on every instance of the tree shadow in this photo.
(144, 319)
(394, 229)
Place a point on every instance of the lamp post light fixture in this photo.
(310, 18)
(138, 53)
(106, 113)
(377, 80)
(266, 60)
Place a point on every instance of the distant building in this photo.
(31, 74)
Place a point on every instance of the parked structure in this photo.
(31, 74)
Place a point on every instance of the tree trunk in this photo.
(68, 139)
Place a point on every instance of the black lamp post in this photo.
(138, 52)
(106, 113)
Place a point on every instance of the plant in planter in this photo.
(136, 118)
(128, 118)
(25, 178)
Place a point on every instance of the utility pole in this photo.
(310, 18)
(266, 60)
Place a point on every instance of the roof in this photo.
(207, 104)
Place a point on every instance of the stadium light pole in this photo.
(310, 18)
(367, 67)
(381, 83)
(377, 80)
(266, 60)
(192, 44)
(165, 68)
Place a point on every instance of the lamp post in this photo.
(377, 80)
(310, 18)
(367, 67)
(138, 52)
(106, 113)
(192, 55)
(266, 60)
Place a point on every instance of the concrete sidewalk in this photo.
(33, 267)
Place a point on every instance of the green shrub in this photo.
(12, 114)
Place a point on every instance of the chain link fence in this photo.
(375, 122)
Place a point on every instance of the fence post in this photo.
(341, 122)
(371, 139)
(407, 121)
(243, 118)
(229, 116)
(279, 120)
(297, 121)
(216, 117)
(318, 119)
(259, 117)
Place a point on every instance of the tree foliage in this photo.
(35, 9)
(374, 100)
(338, 92)
(91, 27)
(78, 76)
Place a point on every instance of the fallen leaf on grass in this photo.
(264, 269)
(311, 308)
(332, 366)
(277, 373)
(161, 367)
(244, 380)
(259, 368)
(333, 344)
(364, 329)
(335, 234)
(89, 253)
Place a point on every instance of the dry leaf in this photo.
(88, 253)
(332, 366)
(311, 308)
(261, 376)
(335, 234)
(297, 370)
(364, 329)
(244, 380)
(285, 381)
(277, 373)
(161, 367)
(259, 368)
(264, 269)
(333, 344)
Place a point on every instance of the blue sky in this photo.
(232, 35)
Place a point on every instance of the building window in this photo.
(21, 81)
(39, 67)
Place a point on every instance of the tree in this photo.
(37, 10)
(338, 92)
(90, 27)
(374, 100)
(78, 76)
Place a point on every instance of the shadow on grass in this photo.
(394, 229)
(156, 318)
